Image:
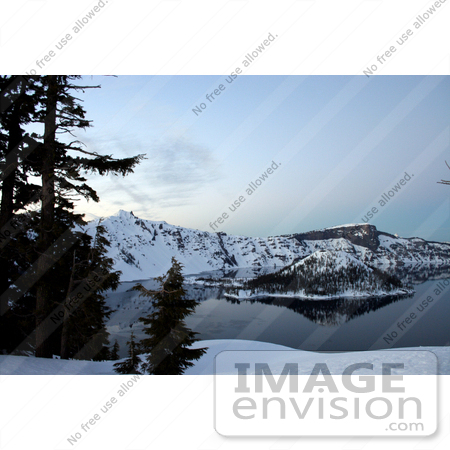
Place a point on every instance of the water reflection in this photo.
(326, 312)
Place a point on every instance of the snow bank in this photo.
(22, 365)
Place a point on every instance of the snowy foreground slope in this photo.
(143, 248)
(414, 365)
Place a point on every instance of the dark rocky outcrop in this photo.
(365, 235)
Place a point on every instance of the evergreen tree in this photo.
(84, 334)
(114, 355)
(62, 177)
(17, 109)
(169, 338)
(56, 253)
(132, 363)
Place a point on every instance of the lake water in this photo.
(331, 325)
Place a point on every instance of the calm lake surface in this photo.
(331, 325)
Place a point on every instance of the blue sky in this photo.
(337, 143)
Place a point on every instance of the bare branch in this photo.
(445, 181)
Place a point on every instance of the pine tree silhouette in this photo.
(132, 363)
(169, 337)
(115, 351)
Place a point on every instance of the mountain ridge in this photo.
(143, 248)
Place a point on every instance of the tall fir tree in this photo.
(83, 333)
(18, 107)
(132, 363)
(62, 177)
(169, 337)
(56, 253)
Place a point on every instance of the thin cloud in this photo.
(175, 172)
(180, 163)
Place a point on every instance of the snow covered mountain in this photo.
(143, 248)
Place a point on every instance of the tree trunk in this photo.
(46, 234)
(66, 317)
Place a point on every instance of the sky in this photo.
(337, 147)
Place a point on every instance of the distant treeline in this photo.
(315, 277)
